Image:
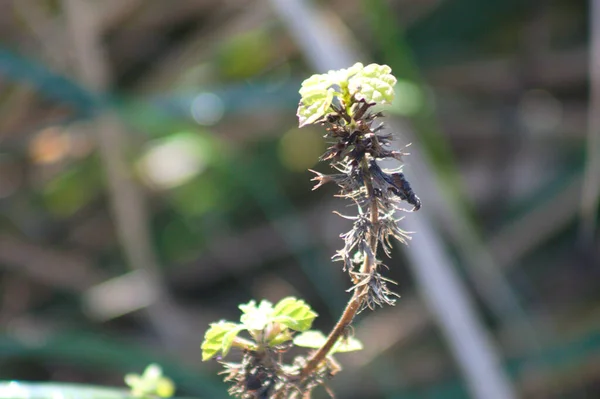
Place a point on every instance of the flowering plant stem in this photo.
(341, 101)
(355, 303)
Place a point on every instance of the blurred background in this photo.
(152, 178)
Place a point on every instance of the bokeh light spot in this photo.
(207, 109)
(172, 161)
(49, 146)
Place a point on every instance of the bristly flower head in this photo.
(342, 101)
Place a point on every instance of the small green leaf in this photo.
(344, 75)
(256, 318)
(215, 337)
(314, 107)
(341, 78)
(349, 344)
(294, 313)
(150, 383)
(280, 338)
(374, 84)
(310, 339)
(315, 84)
(316, 339)
(165, 388)
(228, 339)
(152, 372)
(132, 379)
(316, 96)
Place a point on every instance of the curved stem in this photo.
(347, 316)
(354, 304)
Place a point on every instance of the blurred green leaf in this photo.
(256, 317)
(73, 188)
(217, 339)
(316, 339)
(245, 56)
(294, 313)
(229, 338)
(350, 344)
(198, 196)
(282, 337)
(310, 339)
(314, 105)
(102, 352)
(176, 238)
(374, 84)
(150, 383)
(409, 99)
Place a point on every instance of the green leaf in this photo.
(317, 94)
(280, 338)
(132, 380)
(152, 372)
(374, 84)
(349, 344)
(165, 388)
(316, 339)
(294, 313)
(256, 318)
(310, 339)
(228, 339)
(315, 85)
(341, 78)
(314, 106)
(150, 383)
(217, 339)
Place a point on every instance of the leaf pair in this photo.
(373, 84)
(219, 338)
(289, 314)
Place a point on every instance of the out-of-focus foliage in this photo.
(23, 390)
(496, 91)
(151, 383)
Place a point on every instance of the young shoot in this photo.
(344, 102)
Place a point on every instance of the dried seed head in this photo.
(356, 138)
(355, 240)
(376, 292)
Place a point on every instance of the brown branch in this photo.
(339, 330)
(355, 302)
